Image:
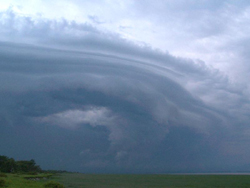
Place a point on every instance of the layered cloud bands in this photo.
(79, 99)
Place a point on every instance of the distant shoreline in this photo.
(209, 173)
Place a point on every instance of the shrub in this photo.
(53, 184)
(2, 182)
(2, 175)
(32, 173)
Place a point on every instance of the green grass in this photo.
(26, 181)
(74, 180)
(77, 180)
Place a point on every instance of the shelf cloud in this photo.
(79, 98)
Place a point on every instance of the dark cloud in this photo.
(79, 99)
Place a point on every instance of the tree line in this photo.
(9, 165)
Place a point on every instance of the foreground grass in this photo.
(26, 181)
(75, 180)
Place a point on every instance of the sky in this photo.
(112, 86)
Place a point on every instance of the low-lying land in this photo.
(25, 174)
(24, 180)
(78, 180)
(75, 180)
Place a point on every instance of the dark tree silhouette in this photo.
(10, 165)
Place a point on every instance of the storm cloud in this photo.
(77, 98)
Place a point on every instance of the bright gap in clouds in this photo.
(93, 83)
(72, 118)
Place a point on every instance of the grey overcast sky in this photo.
(114, 86)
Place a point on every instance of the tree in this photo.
(3, 159)
(10, 165)
(7, 164)
(28, 166)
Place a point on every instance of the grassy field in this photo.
(25, 181)
(75, 180)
